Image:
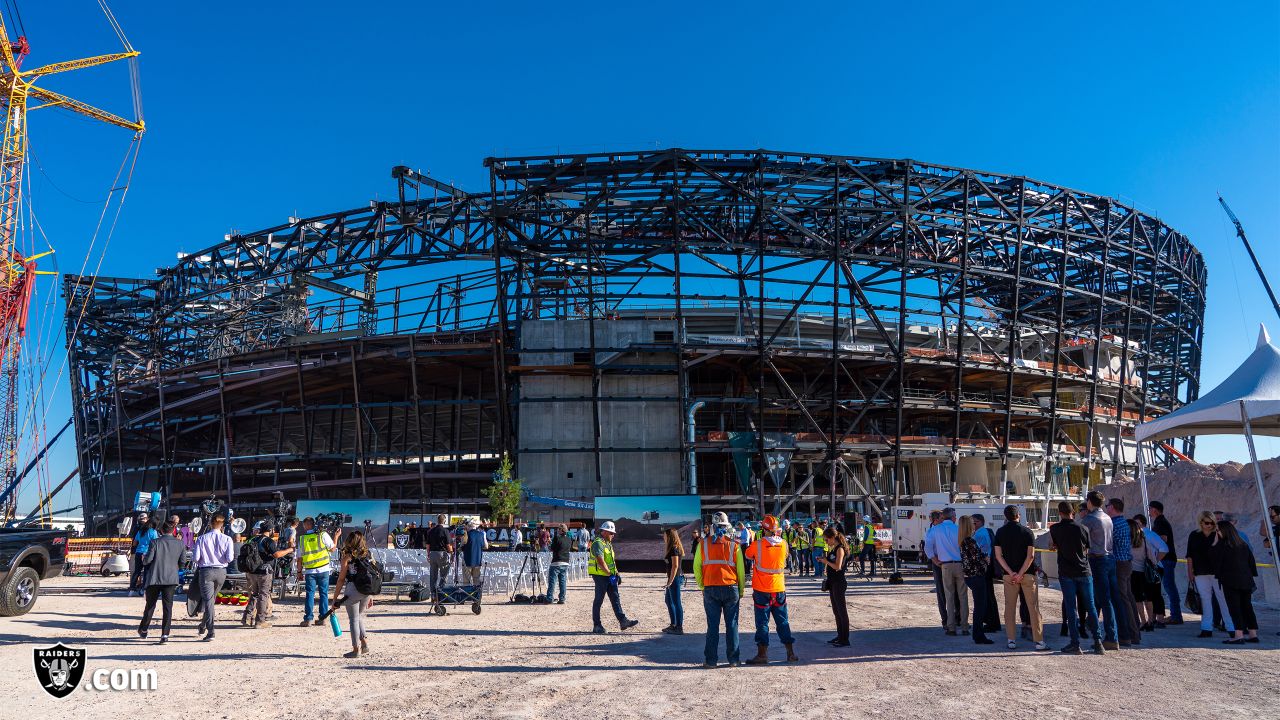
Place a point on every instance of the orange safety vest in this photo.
(769, 565)
(719, 564)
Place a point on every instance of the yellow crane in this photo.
(18, 95)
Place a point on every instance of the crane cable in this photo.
(42, 398)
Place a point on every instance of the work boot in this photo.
(598, 630)
(628, 624)
(791, 653)
(762, 656)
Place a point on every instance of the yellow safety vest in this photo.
(314, 553)
(600, 547)
(819, 540)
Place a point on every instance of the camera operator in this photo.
(474, 543)
(561, 547)
(314, 566)
(439, 552)
(259, 608)
(144, 532)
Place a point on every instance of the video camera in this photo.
(329, 522)
(283, 509)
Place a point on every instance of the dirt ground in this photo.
(541, 662)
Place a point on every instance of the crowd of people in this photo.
(1116, 573)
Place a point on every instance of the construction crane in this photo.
(1244, 239)
(18, 95)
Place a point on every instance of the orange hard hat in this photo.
(770, 522)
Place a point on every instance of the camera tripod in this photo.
(536, 571)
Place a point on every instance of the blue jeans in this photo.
(818, 568)
(558, 574)
(1106, 597)
(138, 574)
(979, 587)
(1171, 588)
(675, 606)
(606, 588)
(774, 604)
(1075, 591)
(720, 600)
(316, 583)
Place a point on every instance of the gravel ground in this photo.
(537, 662)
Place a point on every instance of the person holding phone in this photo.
(834, 561)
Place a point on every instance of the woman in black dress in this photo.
(834, 560)
(1236, 569)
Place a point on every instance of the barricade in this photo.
(85, 554)
(502, 570)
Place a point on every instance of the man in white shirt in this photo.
(314, 566)
(517, 539)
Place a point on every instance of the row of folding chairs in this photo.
(503, 572)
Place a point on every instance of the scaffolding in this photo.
(900, 327)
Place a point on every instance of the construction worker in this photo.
(868, 549)
(819, 548)
(804, 545)
(793, 548)
(604, 573)
(768, 555)
(717, 566)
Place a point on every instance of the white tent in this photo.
(1247, 402)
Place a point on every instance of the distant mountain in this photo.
(634, 530)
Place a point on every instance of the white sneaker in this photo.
(1013, 645)
(1042, 646)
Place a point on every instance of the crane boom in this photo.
(1256, 266)
(18, 272)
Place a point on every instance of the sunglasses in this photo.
(1208, 522)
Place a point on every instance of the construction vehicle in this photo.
(911, 522)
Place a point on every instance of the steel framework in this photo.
(880, 311)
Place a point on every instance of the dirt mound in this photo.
(1186, 488)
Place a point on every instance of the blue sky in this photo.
(258, 111)
(670, 508)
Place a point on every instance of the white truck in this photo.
(910, 522)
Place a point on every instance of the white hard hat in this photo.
(473, 524)
(607, 526)
(720, 519)
(866, 518)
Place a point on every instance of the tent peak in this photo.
(1263, 338)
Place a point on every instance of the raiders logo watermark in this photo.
(59, 669)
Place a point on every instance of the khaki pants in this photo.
(957, 595)
(473, 574)
(1030, 592)
(259, 596)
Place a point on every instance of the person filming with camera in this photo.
(314, 566)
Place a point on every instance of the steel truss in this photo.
(879, 309)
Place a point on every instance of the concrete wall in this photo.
(555, 436)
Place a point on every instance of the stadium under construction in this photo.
(643, 323)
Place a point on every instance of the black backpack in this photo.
(365, 575)
(250, 559)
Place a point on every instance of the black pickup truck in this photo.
(27, 557)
